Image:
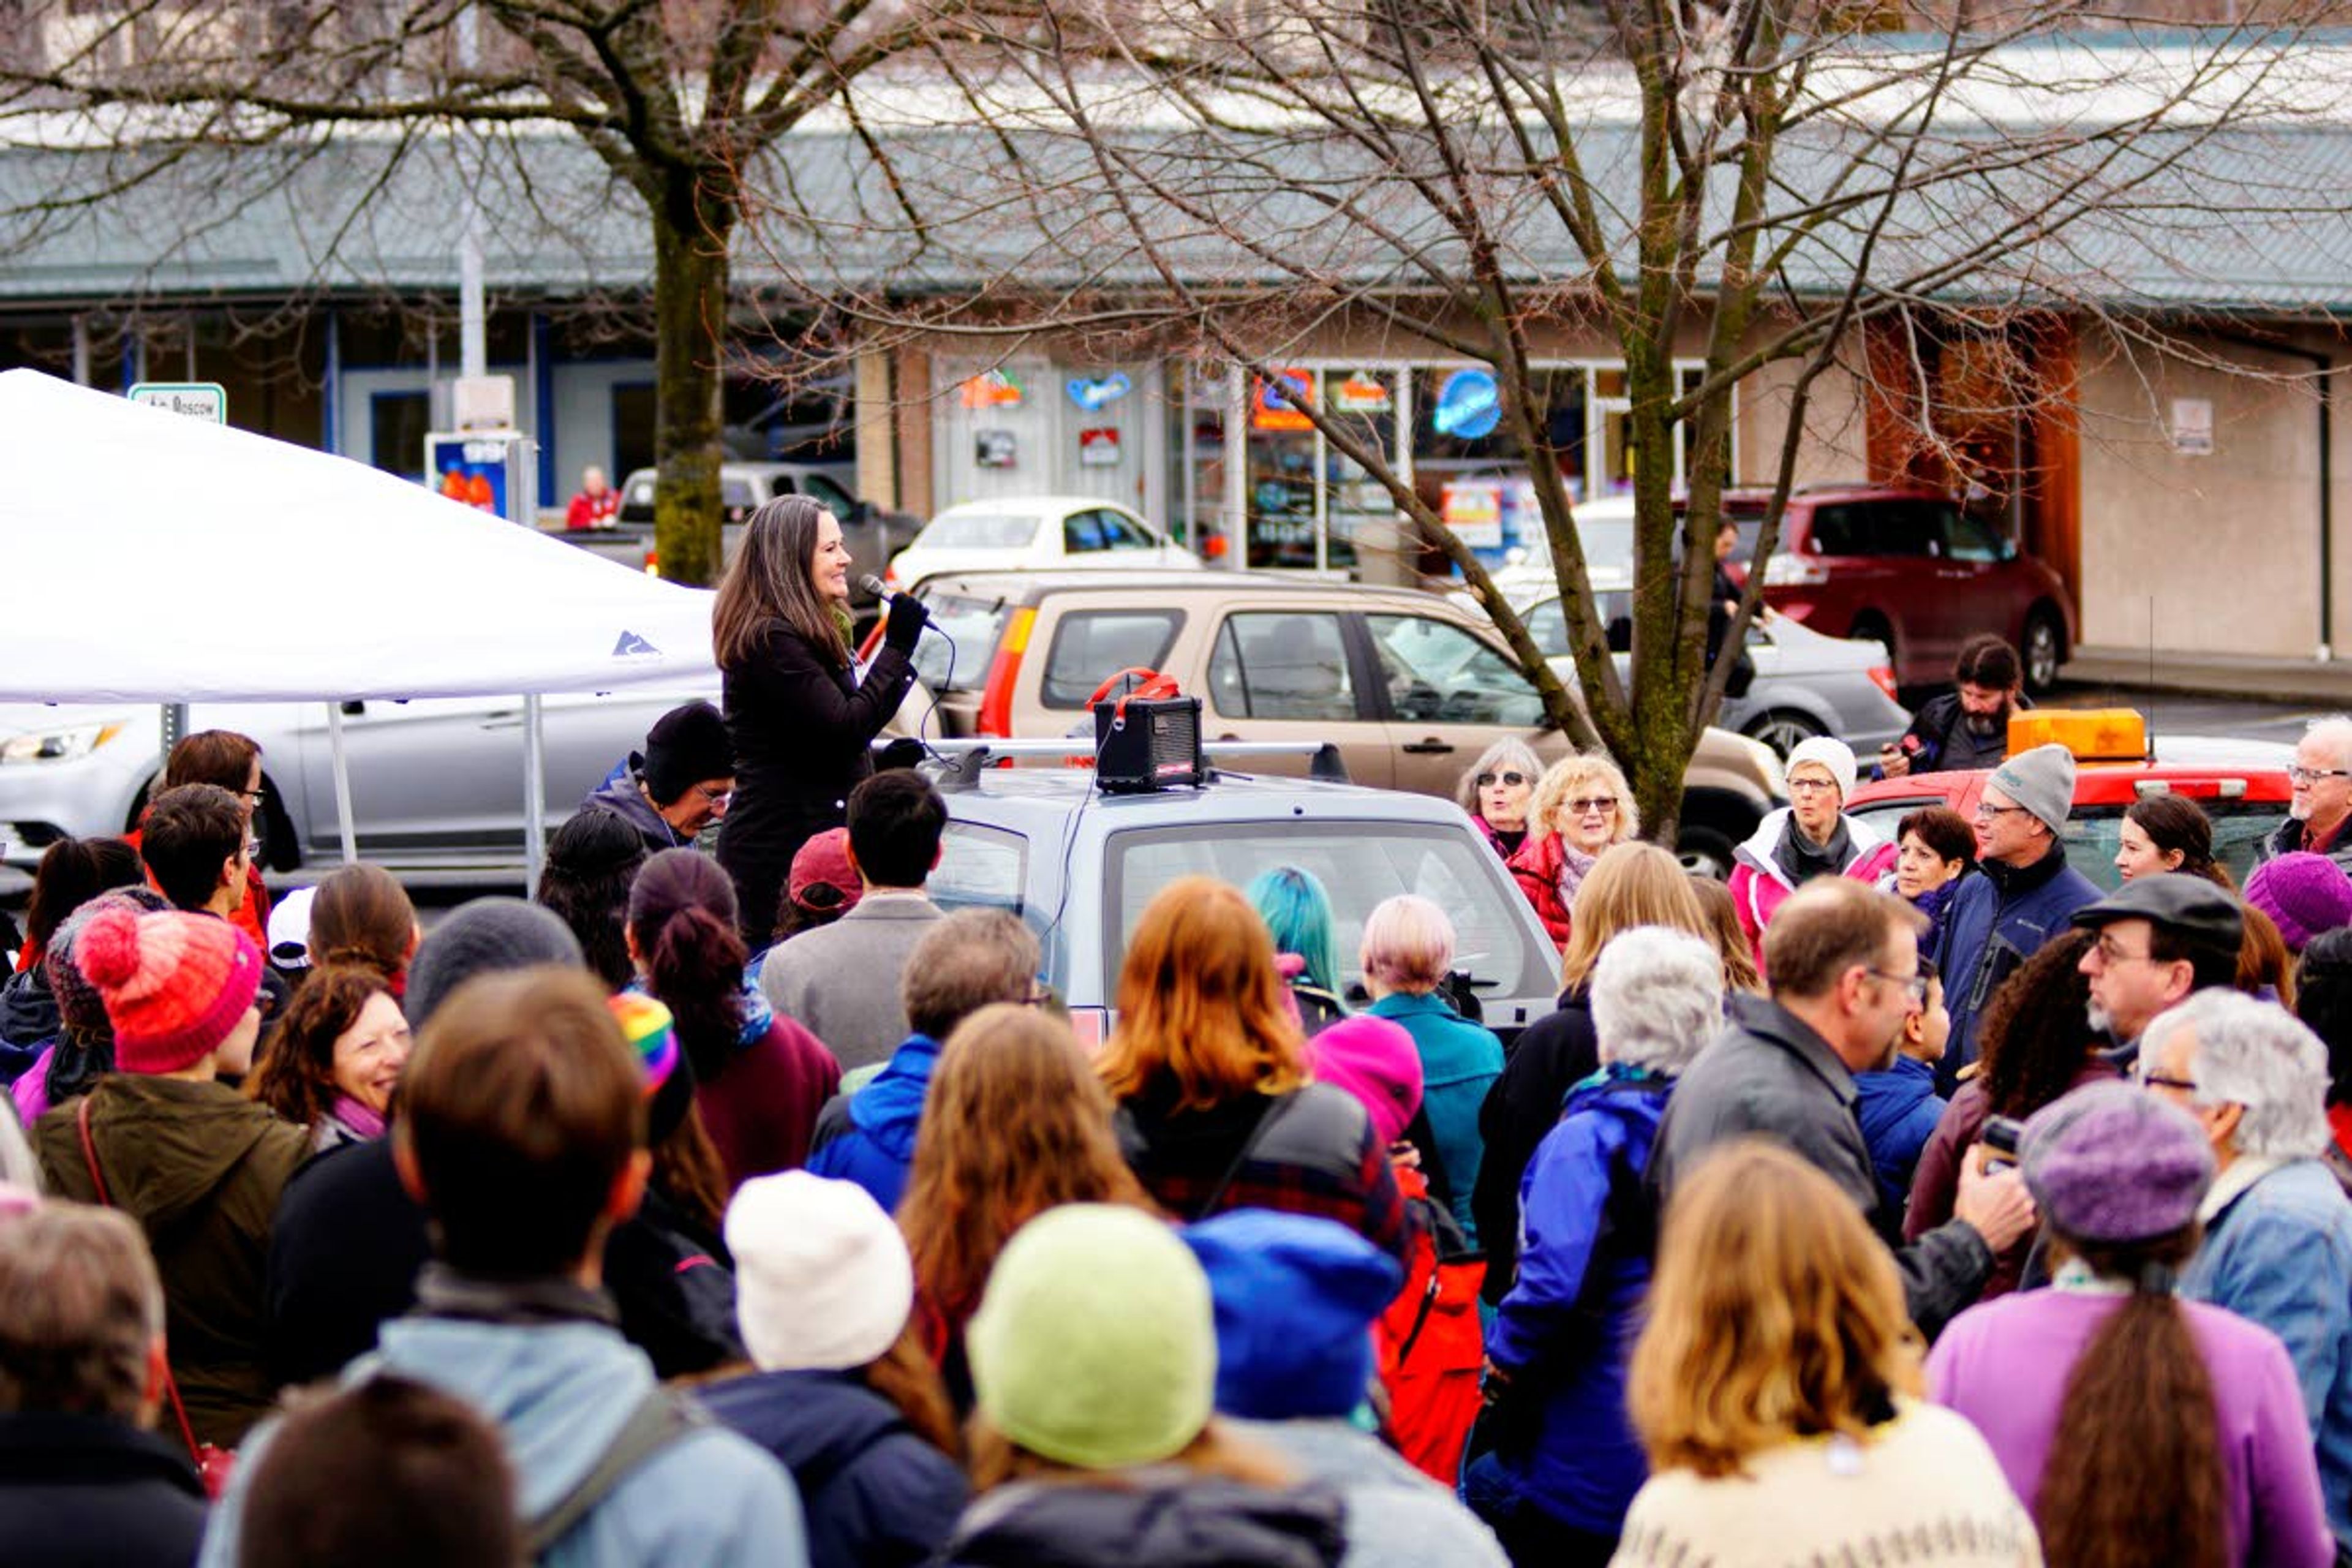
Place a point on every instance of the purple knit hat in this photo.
(2112, 1163)
(2303, 893)
(78, 1003)
(1374, 1060)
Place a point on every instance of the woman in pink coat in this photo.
(1810, 837)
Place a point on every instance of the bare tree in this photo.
(674, 100)
(1743, 199)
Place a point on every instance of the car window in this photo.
(1092, 645)
(736, 494)
(638, 499)
(1360, 864)
(1125, 533)
(2094, 833)
(827, 494)
(1439, 673)
(1285, 666)
(981, 531)
(1082, 534)
(1548, 625)
(979, 868)
(1965, 538)
(959, 661)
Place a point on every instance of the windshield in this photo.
(1360, 864)
(981, 531)
(958, 661)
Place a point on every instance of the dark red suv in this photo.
(1911, 569)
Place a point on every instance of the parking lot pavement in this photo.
(2177, 713)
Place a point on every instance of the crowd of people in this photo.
(1897, 1203)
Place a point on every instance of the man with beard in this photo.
(2322, 777)
(1843, 960)
(2160, 939)
(1968, 727)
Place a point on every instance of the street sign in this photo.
(197, 399)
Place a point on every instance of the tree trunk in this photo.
(690, 278)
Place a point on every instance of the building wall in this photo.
(2227, 544)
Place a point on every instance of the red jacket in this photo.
(1538, 867)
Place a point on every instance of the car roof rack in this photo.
(965, 759)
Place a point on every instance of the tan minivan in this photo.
(1410, 687)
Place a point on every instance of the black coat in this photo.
(348, 1243)
(872, 1491)
(88, 1491)
(1552, 1055)
(1162, 1517)
(801, 727)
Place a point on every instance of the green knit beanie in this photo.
(1096, 1342)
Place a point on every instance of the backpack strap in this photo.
(660, 1420)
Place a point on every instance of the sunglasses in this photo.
(1513, 779)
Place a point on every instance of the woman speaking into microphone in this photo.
(798, 714)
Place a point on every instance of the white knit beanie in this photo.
(822, 1278)
(1828, 751)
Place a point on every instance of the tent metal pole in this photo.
(345, 826)
(534, 784)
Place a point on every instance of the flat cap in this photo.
(2189, 906)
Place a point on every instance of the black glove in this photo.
(905, 623)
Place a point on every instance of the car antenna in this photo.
(2151, 678)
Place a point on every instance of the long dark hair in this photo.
(769, 581)
(592, 860)
(682, 914)
(2037, 1028)
(2322, 999)
(72, 872)
(2137, 1422)
(2175, 822)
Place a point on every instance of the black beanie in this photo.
(686, 746)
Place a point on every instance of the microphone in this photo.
(874, 585)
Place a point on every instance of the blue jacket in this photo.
(874, 1492)
(1564, 1330)
(1460, 1061)
(1898, 1109)
(873, 1144)
(1999, 919)
(2280, 1254)
(559, 1394)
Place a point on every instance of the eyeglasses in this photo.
(1916, 984)
(2111, 952)
(715, 796)
(2158, 1080)
(1512, 779)
(253, 848)
(252, 797)
(1603, 804)
(2302, 775)
(1986, 811)
(1810, 786)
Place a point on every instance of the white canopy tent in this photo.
(153, 557)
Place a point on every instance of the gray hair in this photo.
(1657, 997)
(966, 961)
(2336, 728)
(2258, 1056)
(1508, 753)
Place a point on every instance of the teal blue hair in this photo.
(1298, 912)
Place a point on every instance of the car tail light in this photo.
(1882, 676)
(652, 562)
(1793, 571)
(996, 697)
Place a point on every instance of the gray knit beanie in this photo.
(2042, 782)
(485, 936)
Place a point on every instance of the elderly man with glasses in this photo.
(2278, 1230)
(2025, 897)
(2161, 939)
(2322, 778)
(678, 785)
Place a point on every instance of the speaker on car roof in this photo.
(1148, 739)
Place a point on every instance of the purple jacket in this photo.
(2004, 1365)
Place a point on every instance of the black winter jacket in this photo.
(873, 1494)
(1162, 1517)
(88, 1491)
(1552, 1056)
